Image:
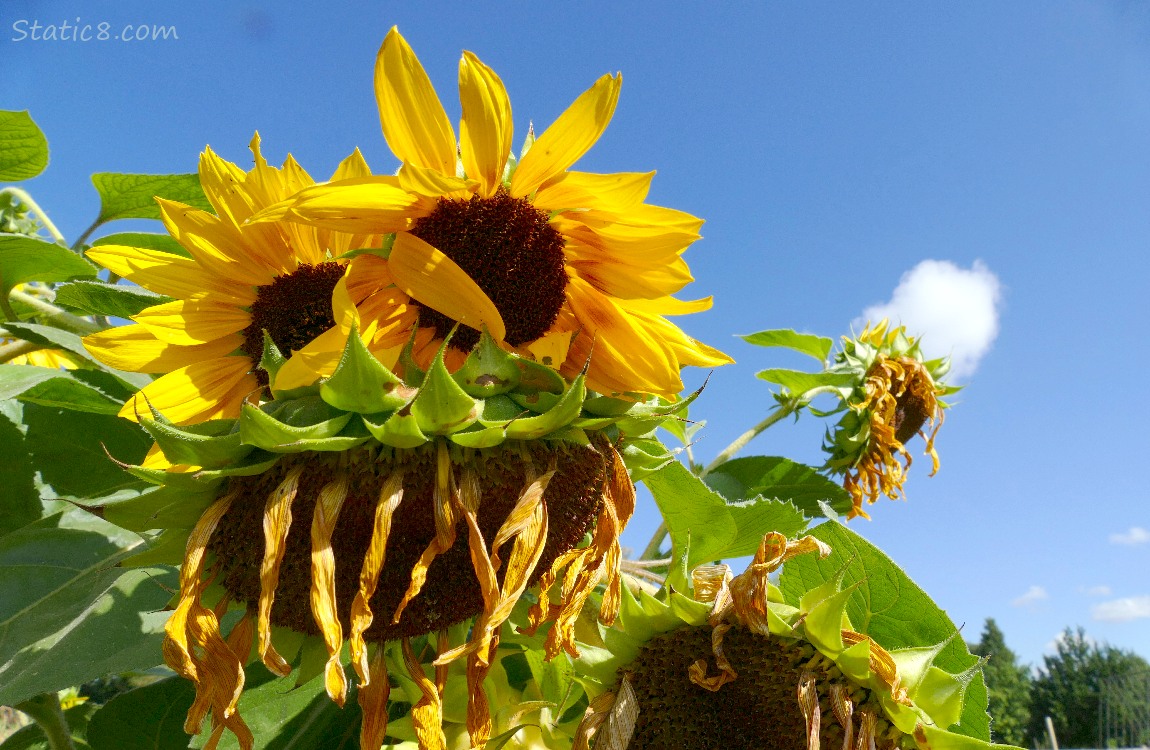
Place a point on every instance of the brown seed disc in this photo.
(915, 405)
(451, 593)
(758, 711)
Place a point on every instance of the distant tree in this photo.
(1069, 688)
(1008, 686)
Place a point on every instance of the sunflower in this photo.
(736, 667)
(570, 269)
(896, 394)
(235, 282)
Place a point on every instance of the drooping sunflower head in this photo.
(372, 510)
(570, 269)
(226, 283)
(896, 395)
(736, 667)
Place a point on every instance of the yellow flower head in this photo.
(897, 395)
(561, 266)
(236, 281)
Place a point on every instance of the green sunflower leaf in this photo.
(705, 527)
(888, 606)
(133, 196)
(23, 147)
(818, 347)
(779, 478)
(112, 300)
(147, 718)
(26, 259)
(797, 381)
(165, 243)
(17, 471)
(69, 614)
(71, 450)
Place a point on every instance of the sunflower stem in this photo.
(651, 551)
(46, 712)
(780, 412)
(11, 351)
(55, 316)
(34, 207)
(6, 307)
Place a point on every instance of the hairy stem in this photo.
(51, 315)
(46, 712)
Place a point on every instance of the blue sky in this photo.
(832, 148)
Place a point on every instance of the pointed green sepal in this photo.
(289, 424)
(362, 384)
(537, 378)
(562, 414)
(442, 406)
(823, 623)
(162, 507)
(398, 430)
(413, 374)
(480, 437)
(272, 359)
(165, 548)
(539, 402)
(211, 444)
(488, 370)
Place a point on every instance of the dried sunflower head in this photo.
(737, 667)
(382, 511)
(894, 395)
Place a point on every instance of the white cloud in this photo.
(1033, 595)
(1102, 590)
(1136, 535)
(954, 310)
(1122, 610)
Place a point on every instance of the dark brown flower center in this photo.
(915, 404)
(293, 309)
(759, 709)
(509, 249)
(451, 592)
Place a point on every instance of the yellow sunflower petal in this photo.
(277, 523)
(569, 137)
(414, 123)
(615, 276)
(219, 247)
(427, 713)
(390, 496)
(446, 515)
(432, 185)
(209, 389)
(669, 305)
(192, 322)
(372, 696)
(486, 128)
(426, 274)
(135, 349)
(221, 181)
(353, 166)
(323, 602)
(616, 193)
(368, 205)
(169, 274)
(624, 356)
